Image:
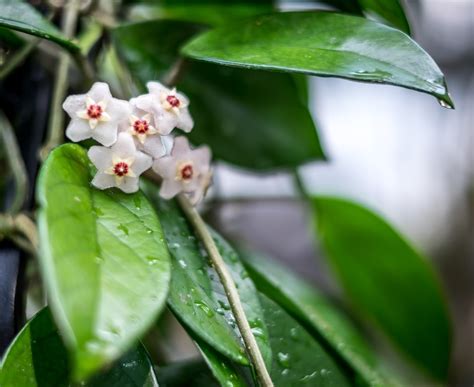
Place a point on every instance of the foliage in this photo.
(111, 261)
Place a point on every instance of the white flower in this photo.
(119, 166)
(141, 125)
(185, 170)
(95, 114)
(169, 108)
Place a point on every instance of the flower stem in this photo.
(56, 118)
(230, 289)
(16, 163)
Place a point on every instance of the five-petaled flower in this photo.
(184, 170)
(119, 166)
(169, 108)
(95, 114)
(141, 125)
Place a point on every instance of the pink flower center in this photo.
(187, 172)
(172, 100)
(121, 169)
(94, 111)
(140, 126)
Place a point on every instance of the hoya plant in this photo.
(114, 114)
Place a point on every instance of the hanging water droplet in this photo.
(444, 104)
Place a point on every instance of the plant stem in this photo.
(230, 289)
(56, 118)
(16, 164)
(299, 185)
(175, 72)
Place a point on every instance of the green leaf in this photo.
(298, 357)
(196, 294)
(103, 258)
(20, 16)
(227, 373)
(323, 44)
(251, 119)
(387, 280)
(189, 373)
(316, 312)
(208, 14)
(37, 357)
(389, 12)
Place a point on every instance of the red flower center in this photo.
(121, 169)
(140, 126)
(187, 172)
(173, 101)
(94, 111)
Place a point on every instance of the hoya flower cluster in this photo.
(131, 133)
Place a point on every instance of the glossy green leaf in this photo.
(251, 119)
(225, 372)
(387, 280)
(323, 44)
(187, 373)
(298, 357)
(314, 310)
(37, 358)
(208, 14)
(103, 257)
(20, 16)
(196, 294)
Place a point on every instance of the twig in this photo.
(230, 289)
(175, 72)
(56, 118)
(16, 164)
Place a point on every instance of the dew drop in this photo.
(283, 359)
(205, 308)
(183, 264)
(123, 228)
(445, 104)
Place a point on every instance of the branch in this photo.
(56, 118)
(230, 289)
(16, 163)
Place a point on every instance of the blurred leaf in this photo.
(387, 280)
(324, 44)
(298, 357)
(389, 12)
(19, 15)
(9, 38)
(223, 369)
(38, 358)
(103, 257)
(197, 296)
(315, 311)
(209, 14)
(251, 119)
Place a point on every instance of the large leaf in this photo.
(209, 14)
(37, 358)
(197, 296)
(387, 280)
(323, 44)
(103, 257)
(19, 15)
(315, 311)
(251, 119)
(298, 357)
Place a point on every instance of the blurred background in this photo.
(393, 150)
